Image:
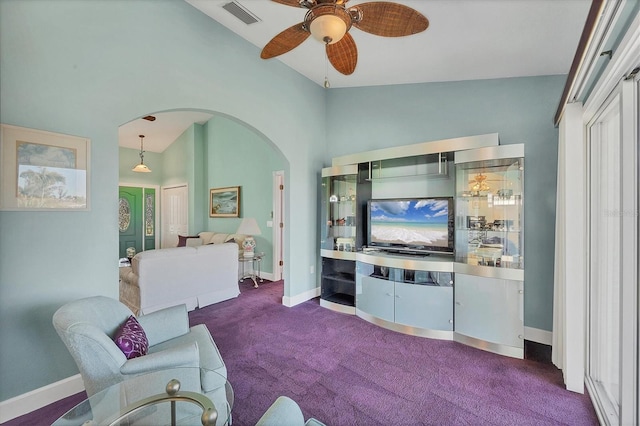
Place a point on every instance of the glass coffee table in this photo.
(167, 397)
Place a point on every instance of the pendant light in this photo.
(141, 168)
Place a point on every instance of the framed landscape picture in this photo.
(224, 202)
(43, 170)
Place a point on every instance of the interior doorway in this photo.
(188, 159)
(174, 214)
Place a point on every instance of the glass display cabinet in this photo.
(489, 254)
(489, 212)
(344, 194)
(339, 210)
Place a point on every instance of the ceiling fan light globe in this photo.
(328, 29)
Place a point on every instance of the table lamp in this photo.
(249, 227)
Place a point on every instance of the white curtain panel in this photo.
(568, 348)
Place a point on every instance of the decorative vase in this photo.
(249, 244)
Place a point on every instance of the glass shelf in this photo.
(344, 194)
(339, 229)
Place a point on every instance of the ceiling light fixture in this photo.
(328, 23)
(141, 168)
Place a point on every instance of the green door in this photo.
(130, 219)
(137, 219)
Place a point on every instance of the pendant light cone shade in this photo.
(141, 168)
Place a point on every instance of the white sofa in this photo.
(196, 276)
(212, 237)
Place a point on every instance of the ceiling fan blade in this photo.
(285, 41)
(343, 55)
(390, 19)
(294, 3)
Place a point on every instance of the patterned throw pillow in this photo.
(131, 339)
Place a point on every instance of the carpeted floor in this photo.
(345, 371)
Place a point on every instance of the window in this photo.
(612, 314)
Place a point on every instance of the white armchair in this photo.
(87, 327)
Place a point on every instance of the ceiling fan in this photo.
(330, 20)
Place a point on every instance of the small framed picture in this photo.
(224, 202)
(42, 170)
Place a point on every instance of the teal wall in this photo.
(238, 156)
(520, 110)
(84, 68)
(180, 167)
(177, 160)
(199, 204)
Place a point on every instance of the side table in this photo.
(250, 271)
(175, 396)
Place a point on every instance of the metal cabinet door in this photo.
(424, 306)
(374, 296)
(490, 309)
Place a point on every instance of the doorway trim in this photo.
(278, 225)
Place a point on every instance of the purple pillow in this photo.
(182, 239)
(131, 338)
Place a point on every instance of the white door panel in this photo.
(174, 214)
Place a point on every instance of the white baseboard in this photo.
(266, 276)
(539, 336)
(300, 298)
(38, 398)
(263, 275)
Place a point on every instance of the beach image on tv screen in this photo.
(416, 222)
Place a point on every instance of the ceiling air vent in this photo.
(240, 12)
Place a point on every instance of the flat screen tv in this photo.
(412, 225)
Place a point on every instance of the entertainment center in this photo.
(428, 240)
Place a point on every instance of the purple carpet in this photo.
(344, 371)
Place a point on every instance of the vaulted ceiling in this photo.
(465, 40)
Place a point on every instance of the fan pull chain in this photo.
(326, 69)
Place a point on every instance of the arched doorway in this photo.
(204, 150)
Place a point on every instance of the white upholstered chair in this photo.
(87, 327)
